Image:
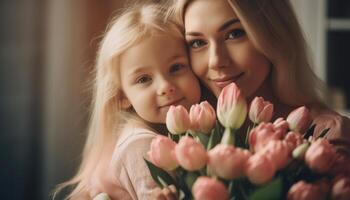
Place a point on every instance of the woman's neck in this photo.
(280, 109)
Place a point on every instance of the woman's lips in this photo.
(222, 82)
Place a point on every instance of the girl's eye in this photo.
(176, 67)
(143, 79)
(196, 43)
(237, 33)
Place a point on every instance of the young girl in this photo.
(142, 68)
(257, 44)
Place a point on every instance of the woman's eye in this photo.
(237, 33)
(143, 79)
(176, 67)
(196, 43)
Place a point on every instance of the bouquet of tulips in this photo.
(206, 158)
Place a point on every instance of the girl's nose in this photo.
(165, 87)
(218, 57)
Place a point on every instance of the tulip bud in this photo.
(320, 156)
(227, 162)
(232, 107)
(299, 119)
(281, 125)
(177, 120)
(206, 188)
(305, 191)
(202, 117)
(162, 153)
(341, 189)
(102, 196)
(261, 135)
(300, 150)
(278, 152)
(293, 139)
(260, 110)
(260, 169)
(190, 154)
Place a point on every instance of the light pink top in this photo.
(124, 175)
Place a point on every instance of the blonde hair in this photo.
(273, 28)
(137, 22)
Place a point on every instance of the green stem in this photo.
(228, 137)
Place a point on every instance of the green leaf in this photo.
(324, 132)
(309, 132)
(203, 138)
(215, 137)
(271, 191)
(173, 137)
(160, 176)
(190, 178)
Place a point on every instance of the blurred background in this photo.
(47, 50)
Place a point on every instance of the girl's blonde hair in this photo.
(273, 28)
(130, 27)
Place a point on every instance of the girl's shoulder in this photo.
(131, 133)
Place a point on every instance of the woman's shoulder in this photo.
(338, 125)
(331, 119)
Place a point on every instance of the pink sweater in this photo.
(124, 175)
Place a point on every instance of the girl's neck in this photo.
(159, 128)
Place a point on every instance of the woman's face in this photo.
(220, 50)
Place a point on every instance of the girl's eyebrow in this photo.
(138, 69)
(221, 28)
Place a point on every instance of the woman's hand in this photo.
(167, 193)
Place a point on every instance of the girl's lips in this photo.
(175, 103)
(221, 83)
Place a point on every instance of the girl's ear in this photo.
(124, 102)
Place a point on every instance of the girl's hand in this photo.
(168, 193)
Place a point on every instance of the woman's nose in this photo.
(165, 87)
(218, 56)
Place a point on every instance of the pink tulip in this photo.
(341, 165)
(260, 110)
(261, 135)
(278, 152)
(281, 125)
(341, 189)
(190, 154)
(306, 191)
(177, 120)
(202, 117)
(205, 188)
(320, 156)
(227, 162)
(232, 107)
(293, 139)
(299, 119)
(162, 153)
(260, 169)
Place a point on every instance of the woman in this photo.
(257, 44)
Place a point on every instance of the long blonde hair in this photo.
(273, 28)
(131, 26)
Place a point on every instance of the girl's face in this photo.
(155, 74)
(220, 50)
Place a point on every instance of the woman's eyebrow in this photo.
(221, 28)
(227, 24)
